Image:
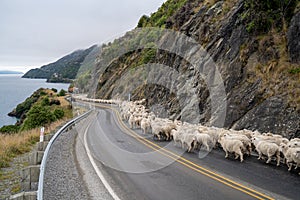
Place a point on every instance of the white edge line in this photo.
(99, 173)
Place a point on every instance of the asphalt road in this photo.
(136, 167)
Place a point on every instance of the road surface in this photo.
(133, 166)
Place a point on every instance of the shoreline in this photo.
(17, 90)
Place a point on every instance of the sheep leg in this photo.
(167, 136)
(269, 159)
(241, 157)
(259, 155)
(226, 154)
(198, 145)
(236, 156)
(278, 158)
(249, 149)
(180, 144)
(183, 144)
(206, 145)
(189, 150)
(191, 146)
(290, 166)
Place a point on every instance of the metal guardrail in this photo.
(43, 164)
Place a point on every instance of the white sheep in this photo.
(294, 143)
(270, 138)
(290, 155)
(189, 141)
(296, 158)
(156, 129)
(167, 128)
(177, 136)
(145, 125)
(266, 148)
(232, 146)
(244, 139)
(295, 139)
(203, 139)
(131, 121)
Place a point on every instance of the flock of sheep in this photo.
(195, 136)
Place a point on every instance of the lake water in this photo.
(14, 90)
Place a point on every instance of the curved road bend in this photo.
(136, 167)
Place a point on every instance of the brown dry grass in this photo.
(53, 95)
(15, 144)
(63, 101)
(275, 74)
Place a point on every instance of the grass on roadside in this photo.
(12, 145)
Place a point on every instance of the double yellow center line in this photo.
(185, 162)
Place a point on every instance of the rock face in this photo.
(272, 114)
(247, 64)
(293, 38)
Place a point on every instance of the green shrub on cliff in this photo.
(10, 129)
(295, 71)
(262, 16)
(159, 18)
(61, 93)
(45, 101)
(38, 116)
(58, 113)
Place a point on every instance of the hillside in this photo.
(63, 70)
(249, 76)
(84, 77)
(40, 109)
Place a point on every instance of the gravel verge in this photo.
(62, 179)
(68, 172)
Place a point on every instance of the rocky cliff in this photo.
(248, 77)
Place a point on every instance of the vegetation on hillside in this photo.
(84, 75)
(43, 107)
(160, 17)
(63, 70)
(263, 16)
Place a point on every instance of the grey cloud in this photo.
(35, 32)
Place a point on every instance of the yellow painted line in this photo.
(204, 173)
(216, 177)
(188, 163)
(200, 167)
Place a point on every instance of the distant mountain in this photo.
(10, 72)
(63, 70)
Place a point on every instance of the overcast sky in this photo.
(36, 32)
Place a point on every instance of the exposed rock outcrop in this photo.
(293, 38)
(260, 94)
